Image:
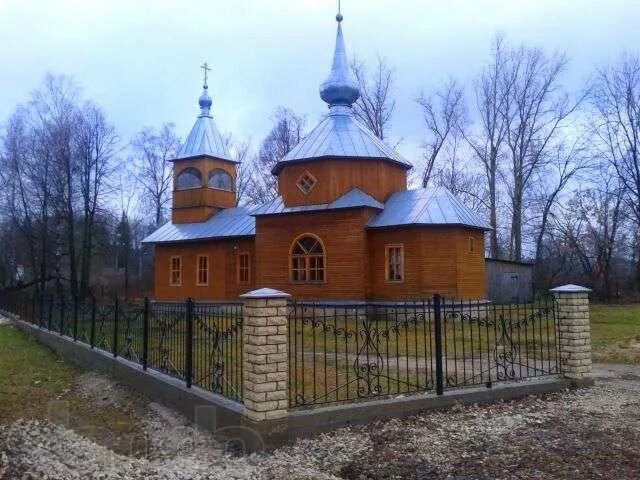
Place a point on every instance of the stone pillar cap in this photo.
(570, 288)
(265, 293)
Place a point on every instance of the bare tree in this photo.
(536, 111)
(564, 165)
(444, 117)
(467, 185)
(153, 152)
(23, 203)
(287, 131)
(375, 106)
(592, 223)
(491, 91)
(54, 109)
(94, 145)
(616, 125)
(241, 153)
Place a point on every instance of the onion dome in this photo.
(205, 101)
(340, 134)
(341, 87)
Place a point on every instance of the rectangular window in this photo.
(244, 268)
(203, 270)
(316, 268)
(175, 271)
(394, 257)
(472, 244)
(299, 269)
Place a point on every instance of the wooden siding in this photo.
(223, 284)
(192, 214)
(203, 197)
(471, 269)
(198, 204)
(334, 178)
(346, 261)
(435, 262)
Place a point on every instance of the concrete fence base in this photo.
(265, 420)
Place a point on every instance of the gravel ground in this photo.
(591, 433)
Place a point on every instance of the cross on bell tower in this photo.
(205, 69)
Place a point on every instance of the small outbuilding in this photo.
(509, 281)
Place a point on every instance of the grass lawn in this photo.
(35, 384)
(615, 333)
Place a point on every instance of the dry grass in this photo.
(615, 333)
(35, 384)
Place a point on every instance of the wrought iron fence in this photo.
(338, 352)
(344, 352)
(200, 343)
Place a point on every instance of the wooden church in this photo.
(344, 226)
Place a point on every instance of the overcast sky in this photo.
(140, 59)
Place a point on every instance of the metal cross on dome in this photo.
(205, 68)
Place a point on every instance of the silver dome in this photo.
(341, 87)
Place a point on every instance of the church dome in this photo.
(341, 87)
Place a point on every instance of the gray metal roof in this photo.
(426, 206)
(410, 207)
(340, 134)
(204, 139)
(354, 198)
(230, 222)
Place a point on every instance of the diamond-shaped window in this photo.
(306, 182)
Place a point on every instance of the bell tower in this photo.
(204, 174)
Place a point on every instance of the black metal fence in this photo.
(200, 343)
(340, 352)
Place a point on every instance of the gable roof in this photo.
(426, 206)
(230, 222)
(354, 198)
(340, 134)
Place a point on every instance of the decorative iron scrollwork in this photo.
(208, 327)
(368, 364)
(506, 351)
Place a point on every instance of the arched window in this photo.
(189, 178)
(218, 178)
(307, 260)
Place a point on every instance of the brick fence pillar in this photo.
(574, 327)
(265, 357)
